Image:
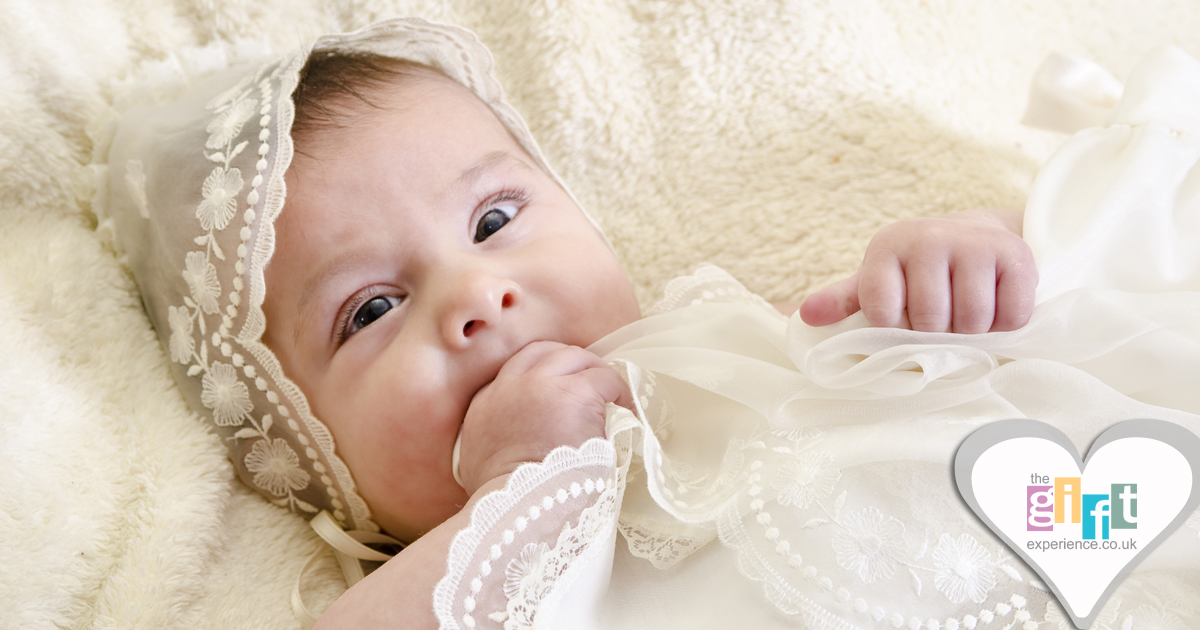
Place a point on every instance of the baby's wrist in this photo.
(491, 470)
(492, 485)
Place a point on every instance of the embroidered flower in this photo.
(870, 544)
(220, 197)
(797, 435)
(1171, 595)
(731, 465)
(1056, 618)
(276, 467)
(235, 93)
(135, 182)
(225, 395)
(182, 344)
(964, 569)
(806, 479)
(679, 471)
(201, 278)
(1146, 617)
(523, 572)
(226, 126)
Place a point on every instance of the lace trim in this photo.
(274, 463)
(530, 578)
(574, 477)
(255, 322)
(783, 479)
(689, 498)
(663, 544)
(708, 284)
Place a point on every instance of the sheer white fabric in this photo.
(821, 458)
(1119, 206)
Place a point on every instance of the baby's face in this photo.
(419, 249)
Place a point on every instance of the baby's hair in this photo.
(328, 81)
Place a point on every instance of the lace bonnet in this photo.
(193, 184)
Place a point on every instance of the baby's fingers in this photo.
(563, 360)
(550, 360)
(609, 385)
(974, 286)
(831, 304)
(882, 293)
(529, 356)
(1017, 283)
(929, 304)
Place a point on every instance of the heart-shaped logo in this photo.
(1082, 525)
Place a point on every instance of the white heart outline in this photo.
(984, 438)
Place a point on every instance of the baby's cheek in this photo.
(414, 409)
(614, 305)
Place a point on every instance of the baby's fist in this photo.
(967, 272)
(547, 395)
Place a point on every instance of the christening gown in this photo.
(774, 475)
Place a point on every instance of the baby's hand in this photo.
(967, 272)
(547, 395)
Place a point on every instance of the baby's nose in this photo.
(477, 302)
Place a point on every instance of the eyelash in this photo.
(351, 309)
(517, 195)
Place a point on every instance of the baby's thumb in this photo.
(831, 304)
(624, 397)
(606, 382)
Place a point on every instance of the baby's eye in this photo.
(493, 220)
(370, 311)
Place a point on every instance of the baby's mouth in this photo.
(493, 372)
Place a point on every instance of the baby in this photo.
(429, 278)
(431, 281)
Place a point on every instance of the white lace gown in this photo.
(775, 475)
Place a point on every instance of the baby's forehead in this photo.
(406, 147)
(369, 124)
(344, 90)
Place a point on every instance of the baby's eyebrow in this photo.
(470, 175)
(306, 302)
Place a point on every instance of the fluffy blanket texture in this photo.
(770, 138)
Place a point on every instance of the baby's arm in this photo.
(547, 395)
(967, 272)
(399, 594)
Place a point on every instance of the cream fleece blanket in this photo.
(770, 138)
